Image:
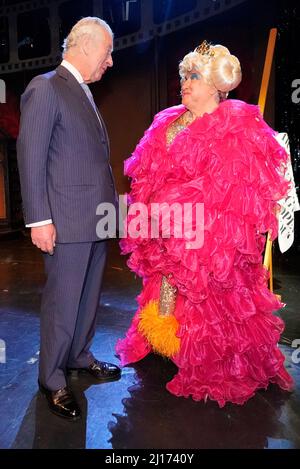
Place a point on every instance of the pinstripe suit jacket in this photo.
(63, 157)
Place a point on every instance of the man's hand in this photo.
(43, 237)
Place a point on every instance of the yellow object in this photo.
(159, 330)
(261, 103)
(268, 259)
(267, 70)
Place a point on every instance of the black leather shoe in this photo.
(102, 371)
(62, 402)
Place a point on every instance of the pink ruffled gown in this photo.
(230, 161)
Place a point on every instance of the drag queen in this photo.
(208, 308)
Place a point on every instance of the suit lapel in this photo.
(77, 90)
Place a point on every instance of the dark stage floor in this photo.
(136, 411)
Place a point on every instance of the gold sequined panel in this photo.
(167, 298)
(175, 127)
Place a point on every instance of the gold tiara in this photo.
(205, 49)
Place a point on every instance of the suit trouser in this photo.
(68, 311)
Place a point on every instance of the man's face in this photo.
(98, 58)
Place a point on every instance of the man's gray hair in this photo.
(85, 26)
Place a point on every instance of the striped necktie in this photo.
(87, 91)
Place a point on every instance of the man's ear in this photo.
(85, 44)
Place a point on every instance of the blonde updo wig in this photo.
(218, 68)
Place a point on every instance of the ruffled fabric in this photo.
(230, 161)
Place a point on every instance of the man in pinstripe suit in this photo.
(63, 156)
